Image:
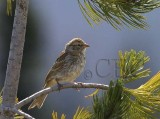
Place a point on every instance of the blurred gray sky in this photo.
(60, 21)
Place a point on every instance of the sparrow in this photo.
(67, 67)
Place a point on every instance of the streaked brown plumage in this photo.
(67, 67)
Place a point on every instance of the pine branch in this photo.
(118, 13)
(55, 88)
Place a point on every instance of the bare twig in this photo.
(20, 112)
(55, 88)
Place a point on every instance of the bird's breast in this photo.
(74, 68)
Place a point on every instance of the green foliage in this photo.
(81, 113)
(131, 65)
(146, 98)
(124, 103)
(112, 105)
(18, 117)
(92, 94)
(118, 12)
(55, 116)
(148, 95)
(0, 100)
(9, 7)
(137, 111)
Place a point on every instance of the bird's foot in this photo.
(59, 85)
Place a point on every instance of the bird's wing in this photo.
(57, 67)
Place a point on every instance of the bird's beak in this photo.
(86, 45)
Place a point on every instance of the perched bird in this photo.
(66, 68)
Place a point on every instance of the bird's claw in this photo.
(59, 86)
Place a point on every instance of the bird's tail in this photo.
(38, 102)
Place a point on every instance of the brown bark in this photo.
(15, 58)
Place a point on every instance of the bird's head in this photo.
(76, 45)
